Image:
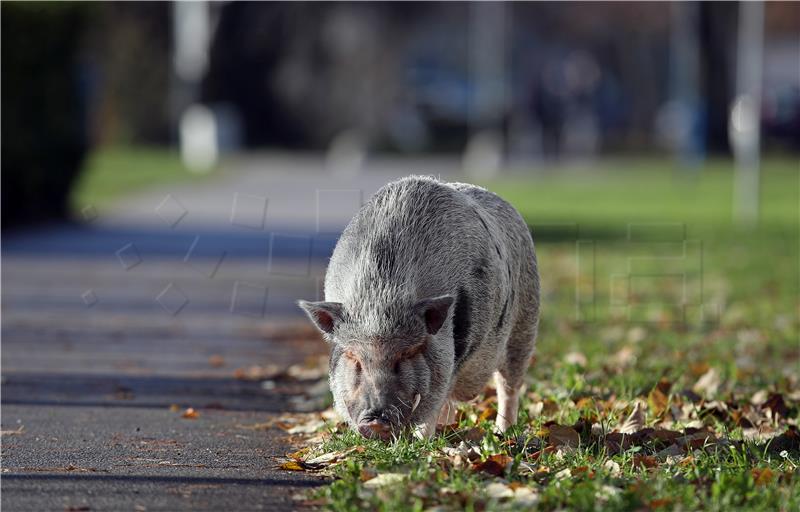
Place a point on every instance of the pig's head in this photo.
(386, 379)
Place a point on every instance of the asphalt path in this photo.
(113, 326)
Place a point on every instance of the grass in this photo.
(622, 317)
(112, 172)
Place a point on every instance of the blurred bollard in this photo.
(346, 155)
(744, 125)
(483, 156)
(198, 139)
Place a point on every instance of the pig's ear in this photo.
(325, 315)
(434, 311)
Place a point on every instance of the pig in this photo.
(431, 290)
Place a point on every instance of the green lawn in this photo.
(692, 318)
(112, 172)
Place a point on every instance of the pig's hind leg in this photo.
(509, 377)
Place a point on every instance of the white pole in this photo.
(488, 27)
(745, 114)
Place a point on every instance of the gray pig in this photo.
(431, 289)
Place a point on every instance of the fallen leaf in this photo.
(645, 460)
(309, 371)
(292, 465)
(662, 502)
(331, 457)
(564, 473)
(561, 435)
(256, 372)
(216, 361)
(309, 427)
(670, 453)
(762, 476)
(487, 414)
(635, 421)
(494, 465)
(14, 432)
(708, 384)
(499, 491)
(698, 369)
(174, 407)
(789, 441)
(759, 397)
(612, 467)
(582, 470)
(777, 405)
(299, 454)
(190, 414)
(384, 479)
(525, 497)
(658, 399)
(257, 426)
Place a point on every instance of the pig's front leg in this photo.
(447, 416)
(425, 427)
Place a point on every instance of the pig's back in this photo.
(417, 238)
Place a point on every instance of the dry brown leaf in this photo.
(696, 440)
(174, 407)
(216, 361)
(190, 414)
(561, 435)
(635, 421)
(299, 454)
(645, 460)
(292, 465)
(256, 372)
(708, 384)
(494, 465)
(385, 479)
(14, 432)
(487, 415)
(327, 459)
(658, 399)
(777, 405)
(612, 467)
(367, 474)
(762, 476)
(698, 369)
(582, 470)
(759, 397)
(499, 491)
(308, 427)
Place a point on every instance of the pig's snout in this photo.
(375, 425)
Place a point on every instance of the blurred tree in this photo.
(718, 29)
(44, 135)
(131, 44)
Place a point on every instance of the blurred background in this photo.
(498, 86)
(175, 176)
(192, 163)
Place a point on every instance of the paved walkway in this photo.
(156, 302)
